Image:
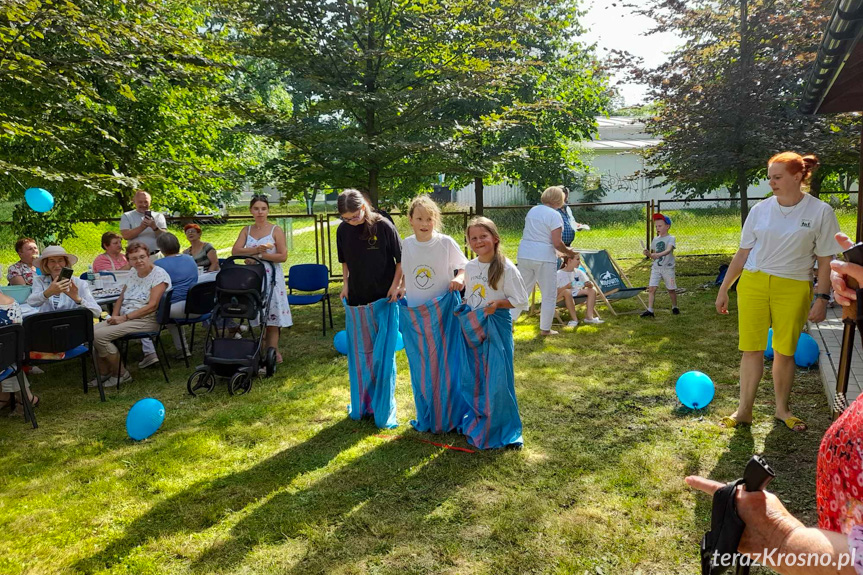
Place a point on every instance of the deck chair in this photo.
(609, 279)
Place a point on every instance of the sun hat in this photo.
(53, 252)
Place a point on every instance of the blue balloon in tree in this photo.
(695, 389)
(806, 354)
(341, 342)
(38, 199)
(145, 418)
(768, 353)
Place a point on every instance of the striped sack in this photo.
(487, 379)
(372, 333)
(432, 339)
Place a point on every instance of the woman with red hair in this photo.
(782, 238)
(203, 252)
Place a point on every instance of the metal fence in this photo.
(701, 227)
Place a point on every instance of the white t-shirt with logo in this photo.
(574, 279)
(429, 267)
(660, 244)
(536, 240)
(785, 241)
(133, 219)
(478, 293)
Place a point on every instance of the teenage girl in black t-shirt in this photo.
(370, 251)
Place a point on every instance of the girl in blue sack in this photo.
(370, 251)
(493, 288)
(434, 275)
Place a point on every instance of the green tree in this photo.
(728, 98)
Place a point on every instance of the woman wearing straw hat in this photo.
(54, 293)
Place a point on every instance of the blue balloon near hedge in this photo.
(807, 351)
(695, 389)
(145, 418)
(768, 353)
(38, 199)
(340, 342)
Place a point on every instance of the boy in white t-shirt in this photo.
(662, 253)
(572, 282)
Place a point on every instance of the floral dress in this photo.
(839, 481)
(279, 312)
(20, 269)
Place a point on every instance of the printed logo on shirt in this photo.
(423, 277)
(476, 299)
(373, 243)
(806, 224)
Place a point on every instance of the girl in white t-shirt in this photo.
(781, 240)
(537, 252)
(492, 282)
(572, 282)
(432, 262)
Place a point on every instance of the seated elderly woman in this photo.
(135, 311)
(204, 253)
(53, 292)
(113, 258)
(184, 275)
(21, 272)
(10, 390)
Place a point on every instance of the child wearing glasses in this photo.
(370, 251)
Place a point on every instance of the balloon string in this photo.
(16, 179)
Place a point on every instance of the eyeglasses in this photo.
(356, 218)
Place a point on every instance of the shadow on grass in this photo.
(206, 503)
(376, 502)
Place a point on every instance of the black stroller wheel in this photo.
(240, 383)
(200, 380)
(270, 361)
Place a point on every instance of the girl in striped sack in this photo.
(433, 265)
(493, 288)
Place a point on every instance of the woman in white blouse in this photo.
(134, 311)
(537, 252)
(54, 293)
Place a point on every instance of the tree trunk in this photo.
(743, 193)
(477, 192)
(373, 187)
(815, 185)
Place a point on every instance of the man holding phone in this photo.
(142, 224)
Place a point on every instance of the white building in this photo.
(614, 159)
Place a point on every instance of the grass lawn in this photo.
(281, 481)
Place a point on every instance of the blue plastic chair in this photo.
(84, 275)
(200, 301)
(311, 278)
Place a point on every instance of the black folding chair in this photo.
(200, 301)
(11, 362)
(163, 317)
(311, 278)
(69, 332)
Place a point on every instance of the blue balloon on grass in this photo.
(768, 353)
(38, 199)
(695, 389)
(145, 418)
(806, 354)
(340, 342)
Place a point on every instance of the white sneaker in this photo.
(149, 359)
(595, 320)
(36, 371)
(573, 323)
(112, 381)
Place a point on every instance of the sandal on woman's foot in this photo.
(729, 422)
(794, 422)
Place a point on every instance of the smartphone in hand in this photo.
(66, 273)
(148, 214)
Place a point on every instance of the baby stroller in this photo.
(241, 294)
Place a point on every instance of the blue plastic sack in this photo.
(432, 341)
(372, 334)
(487, 379)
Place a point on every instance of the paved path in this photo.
(828, 334)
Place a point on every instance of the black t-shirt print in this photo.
(371, 259)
